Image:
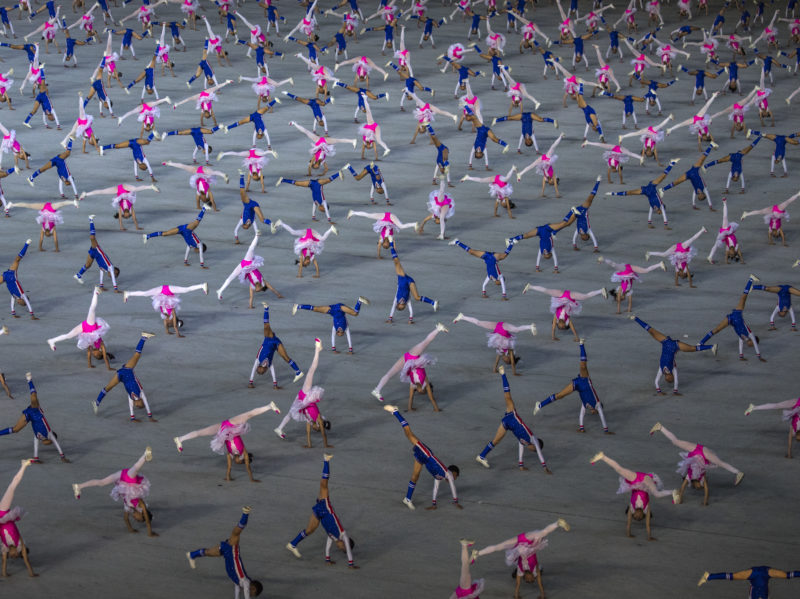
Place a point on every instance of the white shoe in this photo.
(501, 369)
(534, 330)
(294, 309)
(408, 503)
(293, 550)
(327, 457)
(77, 278)
(363, 300)
(656, 428)
(663, 266)
(219, 295)
(676, 496)
(457, 318)
(95, 407)
(274, 226)
(205, 288)
(604, 293)
(192, 563)
(297, 377)
(279, 432)
(273, 407)
(147, 335)
(749, 409)
(704, 230)
(76, 490)
(739, 477)
(482, 461)
(349, 214)
(144, 238)
(755, 279)
(796, 264)
(563, 524)
(178, 444)
(317, 344)
(377, 395)
(148, 454)
(52, 345)
(714, 349)
(537, 407)
(334, 230)
(436, 305)
(597, 457)
(455, 241)
(389, 408)
(646, 256)
(525, 289)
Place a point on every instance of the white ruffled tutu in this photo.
(15, 514)
(367, 134)
(740, 112)
(627, 487)
(783, 216)
(496, 190)
(129, 196)
(312, 397)
(197, 176)
(312, 246)
(80, 131)
(423, 115)
(787, 415)
(228, 434)
(6, 85)
(500, 343)
(154, 112)
(436, 210)
(7, 144)
(474, 591)
(212, 97)
(497, 41)
(721, 236)
(256, 163)
(262, 89)
(421, 362)
(89, 339)
(188, 8)
(524, 551)
(544, 164)
(572, 307)
(164, 303)
(455, 49)
(696, 463)
(127, 492)
(618, 156)
(326, 150)
(619, 277)
(656, 137)
(700, 125)
(679, 258)
(257, 262)
(50, 218)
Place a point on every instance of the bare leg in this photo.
(8, 496)
(623, 472)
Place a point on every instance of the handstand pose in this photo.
(406, 289)
(96, 254)
(669, 347)
(304, 407)
(640, 485)
(547, 236)
(166, 302)
(626, 276)
(13, 286)
(499, 189)
(60, 164)
(229, 549)
(411, 367)
(726, 238)
(696, 459)
(323, 513)
(680, 255)
(784, 307)
(757, 576)
(338, 312)
(129, 380)
(187, 232)
(10, 537)
(791, 413)
(307, 246)
(131, 488)
(248, 273)
(511, 421)
(317, 193)
(123, 201)
(90, 335)
(699, 187)
(588, 396)
(200, 181)
(544, 166)
(441, 207)
(502, 338)
(423, 456)
(228, 439)
(266, 352)
(41, 432)
(490, 259)
(521, 552)
(564, 305)
(49, 217)
(386, 224)
(773, 218)
(735, 319)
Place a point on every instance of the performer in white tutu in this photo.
(10, 145)
(501, 338)
(424, 114)
(123, 200)
(307, 246)
(254, 161)
(249, 274)
(726, 238)
(650, 138)
(640, 485)
(386, 226)
(166, 302)
(604, 74)
(49, 216)
(370, 133)
(82, 129)
(129, 486)
(202, 177)
(626, 275)
(441, 207)
(5, 84)
(227, 439)
(520, 552)
(737, 111)
(304, 408)
(696, 459)
(320, 75)
(411, 365)
(564, 304)
(147, 113)
(773, 217)
(204, 102)
(362, 66)
(699, 124)
(322, 147)
(516, 93)
(615, 156)
(791, 414)
(499, 188)
(667, 53)
(543, 165)
(680, 255)
(10, 537)
(467, 588)
(89, 333)
(263, 87)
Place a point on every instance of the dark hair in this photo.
(149, 514)
(326, 423)
(205, 247)
(250, 457)
(259, 587)
(540, 441)
(352, 543)
(116, 271)
(454, 469)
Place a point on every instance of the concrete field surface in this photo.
(82, 547)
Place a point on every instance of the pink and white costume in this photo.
(308, 25)
(162, 52)
(499, 189)
(130, 489)
(367, 132)
(92, 334)
(737, 113)
(145, 15)
(111, 62)
(455, 52)
(774, 220)
(614, 157)
(304, 407)
(694, 464)
(496, 41)
(625, 278)
(9, 533)
(424, 114)
(763, 102)
(255, 162)
(201, 182)
(440, 207)
(473, 592)
(791, 415)
(49, 217)
(545, 167)
(640, 498)
(501, 340)
(189, 7)
(709, 48)
(84, 127)
(229, 438)
(523, 554)
(5, 83)
(309, 245)
(263, 88)
(682, 256)
(148, 114)
(362, 68)
(700, 125)
(650, 137)
(205, 101)
(413, 370)
(322, 150)
(564, 307)
(666, 54)
(571, 85)
(166, 302)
